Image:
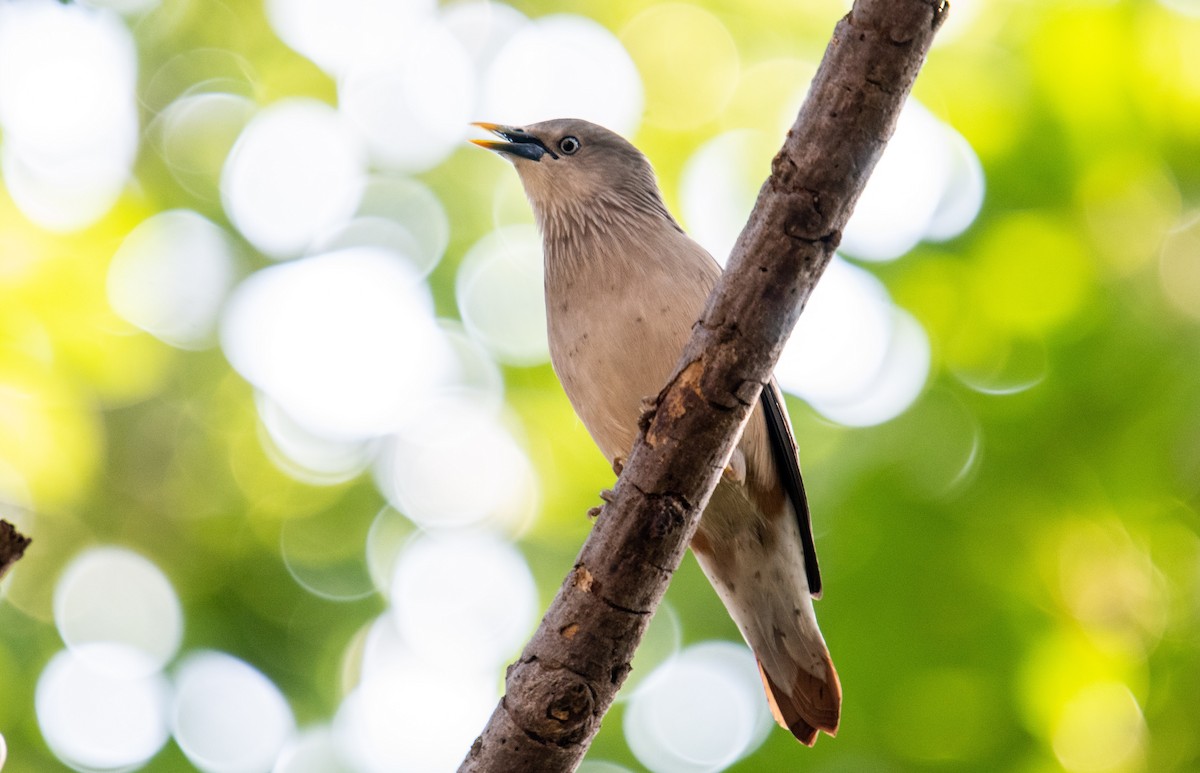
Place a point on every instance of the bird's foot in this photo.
(618, 464)
(735, 471)
(646, 411)
(607, 495)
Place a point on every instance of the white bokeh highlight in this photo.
(339, 35)
(194, 135)
(95, 715)
(345, 342)
(717, 192)
(464, 599)
(114, 596)
(457, 465)
(68, 113)
(413, 108)
(563, 66)
(126, 7)
(399, 214)
(306, 456)
(65, 74)
(853, 356)
(316, 750)
(897, 384)
(842, 337)
(171, 275)
(501, 298)
(297, 170)
(227, 717)
(928, 184)
(482, 28)
(411, 715)
(699, 712)
(963, 195)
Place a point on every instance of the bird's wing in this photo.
(783, 450)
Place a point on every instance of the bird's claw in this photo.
(607, 495)
(618, 464)
(646, 410)
(735, 471)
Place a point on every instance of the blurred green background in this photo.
(275, 405)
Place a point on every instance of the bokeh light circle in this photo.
(564, 66)
(306, 456)
(904, 191)
(67, 111)
(70, 192)
(718, 186)
(841, 339)
(462, 598)
(340, 34)
(962, 197)
(897, 384)
(323, 552)
(195, 134)
(412, 111)
(699, 712)
(112, 595)
(226, 716)
(409, 713)
(1101, 729)
(398, 214)
(296, 171)
(171, 275)
(95, 715)
(67, 77)
(316, 750)
(457, 465)
(345, 343)
(856, 358)
(500, 295)
(127, 7)
(482, 27)
(1179, 269)
(928, 184)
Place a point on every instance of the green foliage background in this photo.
(979, 595)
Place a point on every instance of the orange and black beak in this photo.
(517, 142)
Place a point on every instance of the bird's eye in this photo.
(568, 145)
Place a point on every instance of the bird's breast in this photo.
(616, 335)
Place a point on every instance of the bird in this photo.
(624, 285)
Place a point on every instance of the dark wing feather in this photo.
(783, 450)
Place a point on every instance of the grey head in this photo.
(581, 178)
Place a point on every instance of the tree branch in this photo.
(12, 546)
(569, 674)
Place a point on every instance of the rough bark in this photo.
(569, 673)
(12, 546)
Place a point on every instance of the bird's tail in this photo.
(810, 705)
(765, 589)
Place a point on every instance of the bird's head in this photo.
(577, 170)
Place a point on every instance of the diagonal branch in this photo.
(569, 674)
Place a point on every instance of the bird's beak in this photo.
(518, 142)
